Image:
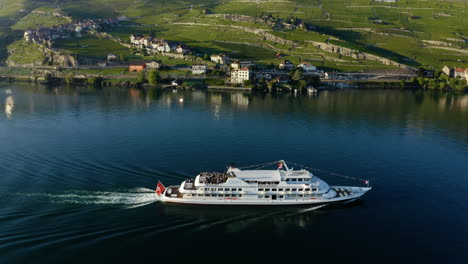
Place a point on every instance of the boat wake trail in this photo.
(130, 198)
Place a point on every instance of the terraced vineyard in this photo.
(415, 33)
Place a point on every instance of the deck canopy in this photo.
(258, 175)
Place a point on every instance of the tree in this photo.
(154, 77)
(297, 75)
(247, 83)
(402, 83)
(270, 85)
(302, 84)
(206, 56)
(141, 77)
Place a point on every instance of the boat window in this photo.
(240, 195)
(267, 196)
(307, 189)
(273, 190)
(300, 195)
(280, 190)
(240, 189)
(294, 180)
(220, 195)
(288, 190)
(300, 190)
(299, 179)
(281, 196)
(220, 189)
(314, 189)
(260, 190)
(294, 190)
(226, 189)
(260, 196)
(227, 195)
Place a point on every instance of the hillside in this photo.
(328, 33)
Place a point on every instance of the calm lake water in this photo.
(79, 166)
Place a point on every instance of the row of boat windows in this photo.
(262, 189)
(214, 195)
(283, 196)
(287, 180)
(297, 180)
(222, 189)
(288, 189)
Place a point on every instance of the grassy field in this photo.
(90, 46)
(394, 30)
(22, 52)
(37, 20)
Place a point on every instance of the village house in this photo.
(181, 48)
(140, 41)
(286, 65)
(78, 30)
(163, 47)
(136, 66)
(447, 71)
(235, 65)
(240, 75)
(459, 73)
(199, 69)
(102, 64)
(265, 75)
(307, 67)
(112, 57)
(153, 64)
(466, 75)
(28, 35)
(330, 75)
(221, 59)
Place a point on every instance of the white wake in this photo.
(130, 198)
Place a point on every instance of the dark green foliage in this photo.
(94, 81)
(141, 77)
(154, 77)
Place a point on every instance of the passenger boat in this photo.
(282, 186)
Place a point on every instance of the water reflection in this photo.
(411, 110)
(9, 105)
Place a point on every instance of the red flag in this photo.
(160, 188)
(280, 165)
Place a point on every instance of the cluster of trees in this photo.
(438, 81)
(152, 77)
(297, 79)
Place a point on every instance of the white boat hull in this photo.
(355, 193)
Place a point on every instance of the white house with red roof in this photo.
(240, 75)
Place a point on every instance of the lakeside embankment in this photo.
(182, 80)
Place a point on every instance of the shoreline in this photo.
(325, 84)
